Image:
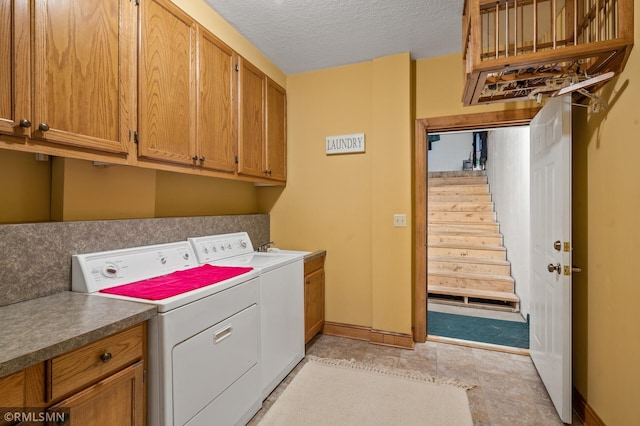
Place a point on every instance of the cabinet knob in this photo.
(201, 158)
(44, 127)
(24, 122)
(106, 357)
(307, 281)
(194, 158)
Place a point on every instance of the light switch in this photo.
(399, 220)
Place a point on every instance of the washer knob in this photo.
(110, 270)
(243, 244)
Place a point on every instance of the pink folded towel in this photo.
(178, 282)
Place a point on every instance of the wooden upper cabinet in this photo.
(84, 73)
(15, 117)
(216, 123)
(276, 131)
(251, 116)
(167, 83)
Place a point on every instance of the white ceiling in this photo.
(307, 35)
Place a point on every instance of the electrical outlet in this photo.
(399, 220)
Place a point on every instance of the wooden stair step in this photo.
(465, 250)
(471, 265)
(471, 281)
(459, 189)
(444, 197)
(469, 226)
(456, 173)
(468, 294)
(457, 180)
(476, 238)
(460, 206)
(462, 216)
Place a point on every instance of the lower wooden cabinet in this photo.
(313, 295)
(116, 400)
(101, 383)
(24, 388)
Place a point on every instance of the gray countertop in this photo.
(36, 330)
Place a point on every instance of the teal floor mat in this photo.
(486, 330)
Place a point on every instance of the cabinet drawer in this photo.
(76, 369)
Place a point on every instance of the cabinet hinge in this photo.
(135, 137)
(237, 68)
(144, 376)
(236, 159)
(137, 2)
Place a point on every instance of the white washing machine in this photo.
(203, 345)
(281, 277)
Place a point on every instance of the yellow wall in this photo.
(82, 191)
(188, 195)
(26, 185)
(327, 201)
(345, 203)
(439, 86)
(391, 155)
(606, 245)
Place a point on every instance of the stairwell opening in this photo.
(478, 236)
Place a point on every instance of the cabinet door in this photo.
(15, 116)
(313, 303)
(167, 101)
(276, 131)
(251, 120)
(84, 80)
(216, 122)
(116, 400)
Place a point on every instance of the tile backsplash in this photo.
(35, 258)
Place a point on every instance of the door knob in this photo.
(551, 267)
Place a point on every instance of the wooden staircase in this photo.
(467, 261)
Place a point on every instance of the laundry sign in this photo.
(345, 144)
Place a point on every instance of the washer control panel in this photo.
(96, 271)
(217, 247)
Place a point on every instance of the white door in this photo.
(550, 338)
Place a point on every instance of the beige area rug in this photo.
(340, 392)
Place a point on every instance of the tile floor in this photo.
(508, 389)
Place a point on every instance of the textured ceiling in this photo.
(306, 35)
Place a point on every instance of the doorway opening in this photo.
(478, 235)
(435, 125)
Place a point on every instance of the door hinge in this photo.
(135, 137)
(236, 159)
